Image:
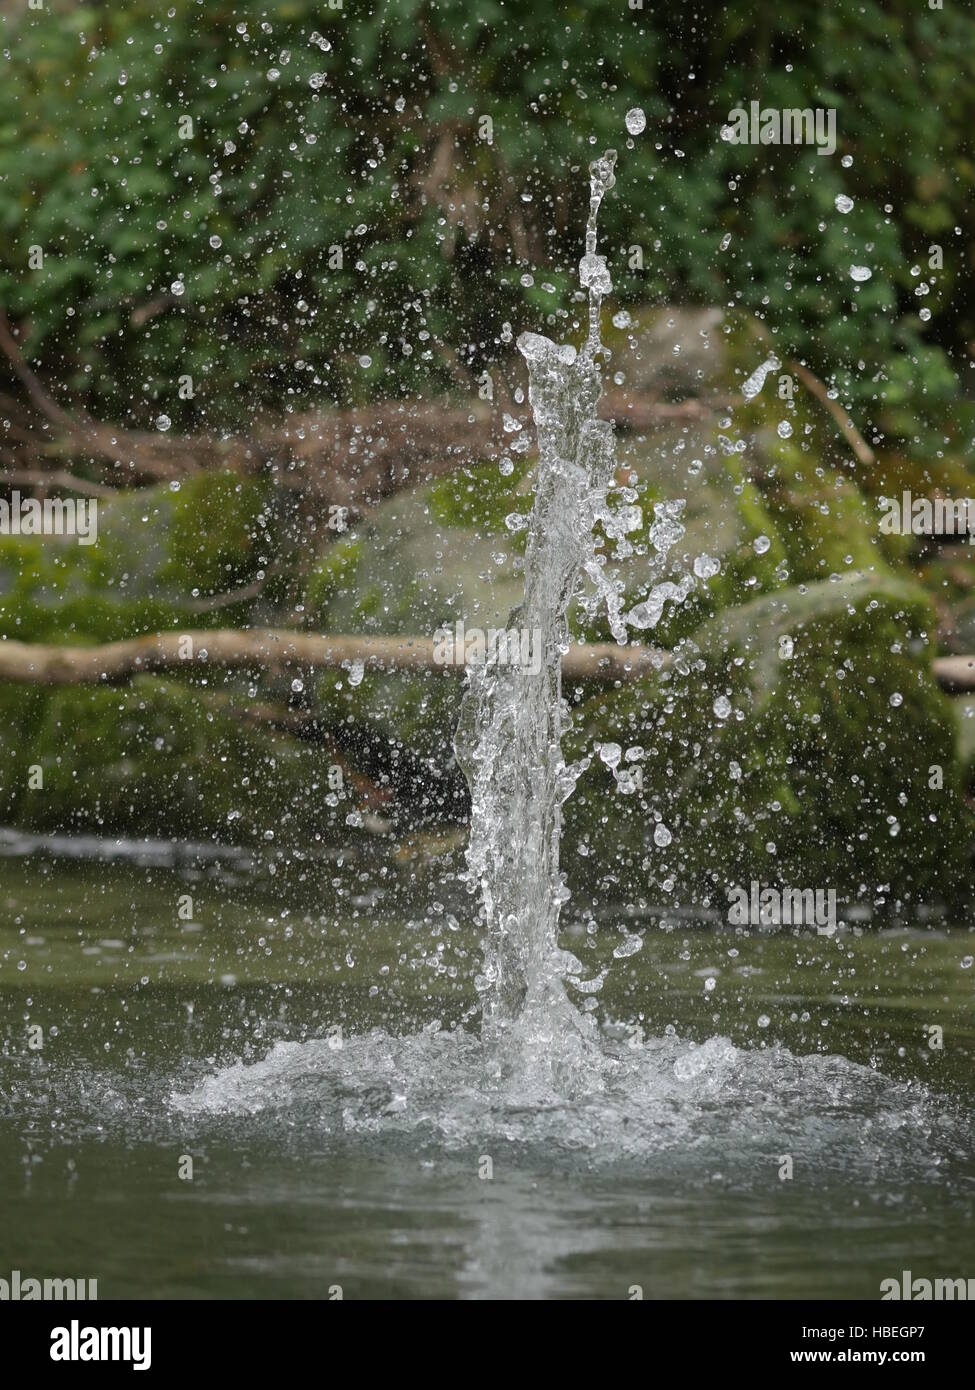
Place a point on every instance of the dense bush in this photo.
(309, 128)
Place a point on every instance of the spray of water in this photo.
(540, 1077)
(509, 737)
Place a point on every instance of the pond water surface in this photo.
(320, 1066)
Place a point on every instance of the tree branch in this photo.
(279, 651)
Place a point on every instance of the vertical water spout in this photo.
(509, 737)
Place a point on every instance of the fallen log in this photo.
(954, 673)
(353, 457)
(279, 651)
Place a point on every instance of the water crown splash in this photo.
(509, 737)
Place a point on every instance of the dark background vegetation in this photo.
(334, 241)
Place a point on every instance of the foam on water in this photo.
(664, 1101)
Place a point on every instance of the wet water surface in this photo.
(323, 1070)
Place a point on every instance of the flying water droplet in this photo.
(610, 754)
(756, 381)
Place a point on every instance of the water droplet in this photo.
(297, 686)
(842, 203)
(610, 753)
(662, 836)
(636, 121)
(163, 422)
(706, 566)
(847, 161)
(896, 699)
(860, 273)
(783, 429)
(756, 381)
(761, 544)
(216, 242)
(722, 707)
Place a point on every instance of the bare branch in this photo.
(277, 651)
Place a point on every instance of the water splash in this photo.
(509, 737)
(541, 1079)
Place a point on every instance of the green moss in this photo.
(480, 498)
(53, 589)
(22, 710)
(215, 538)
(815, 778)
(156, 758)
(332, 577)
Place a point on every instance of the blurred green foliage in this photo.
(191, 176)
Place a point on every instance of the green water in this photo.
(136, 1004)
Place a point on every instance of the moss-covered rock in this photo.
(217, 532)
(158, 758)
(22, 711)
(157, 552)
(798, 740)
